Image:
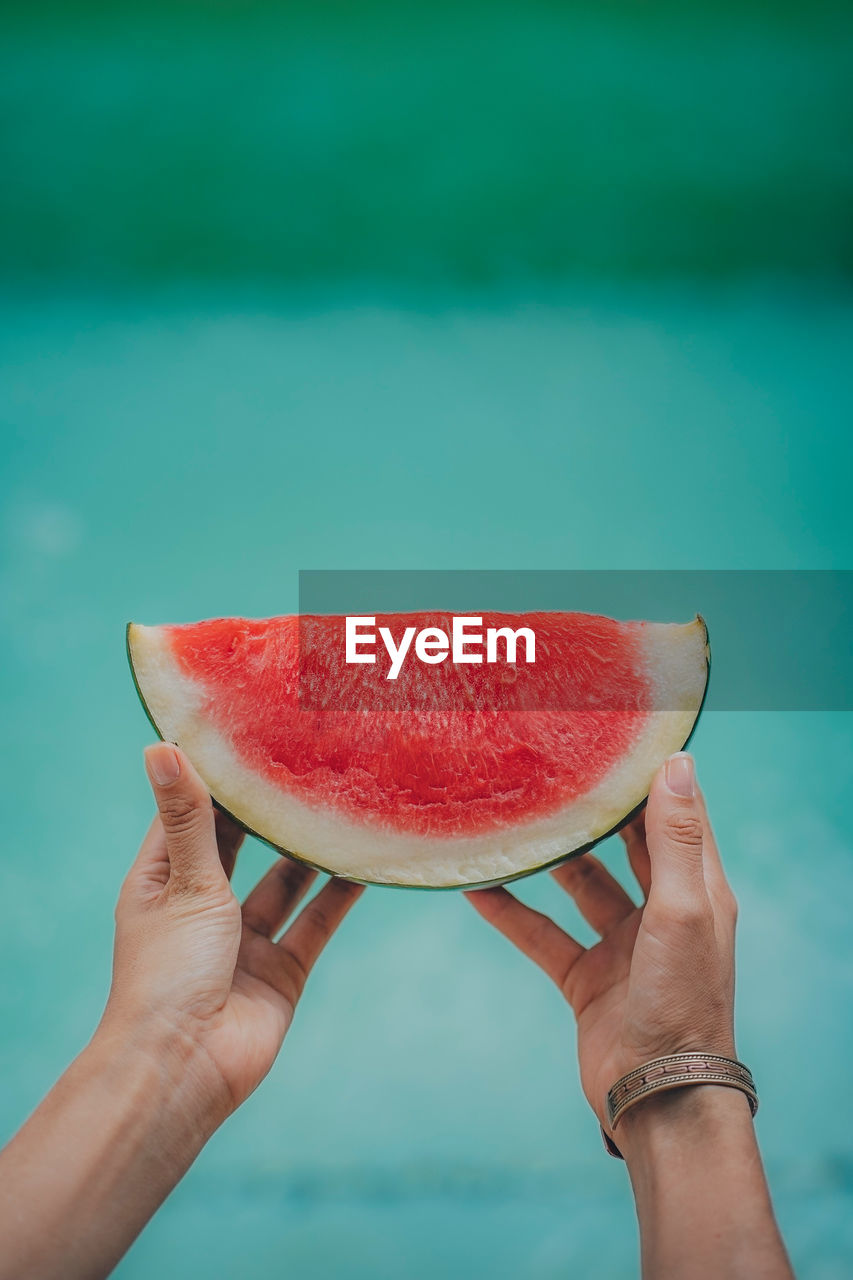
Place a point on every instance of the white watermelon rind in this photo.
(423, 851)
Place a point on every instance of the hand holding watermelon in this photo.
(195, 973)
(661, 980)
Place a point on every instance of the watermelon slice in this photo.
(450, 774)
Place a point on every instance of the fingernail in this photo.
(680, 775)
(162, 764)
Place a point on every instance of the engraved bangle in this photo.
(674, 1072)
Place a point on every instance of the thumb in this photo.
(186, 814)
(675, 831)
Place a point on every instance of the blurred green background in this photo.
(443, 144)
(366, 286)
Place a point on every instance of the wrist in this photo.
(699, 1187)
(102, 1151)
(171, 1073)
(680, 1125)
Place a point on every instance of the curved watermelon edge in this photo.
(430, 888)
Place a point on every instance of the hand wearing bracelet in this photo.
(676, 1071)
(660, 982)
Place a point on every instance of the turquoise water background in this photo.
(340, 354)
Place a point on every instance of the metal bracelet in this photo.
(673, 1072)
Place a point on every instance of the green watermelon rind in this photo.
(430, 888)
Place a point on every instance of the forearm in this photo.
(702, 1200)
(98, 1156)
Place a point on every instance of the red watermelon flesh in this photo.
(449, 774)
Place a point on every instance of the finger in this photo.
(675, 837)
(276, 895)
(186, 814)
(315, 924)
(149, 872)
(598, 895)
(535, 934)
(634, 836)
(152, 852)
(722, 895)
(229, 837)
(713, 862)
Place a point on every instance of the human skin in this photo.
(202, 997)
(661, 981)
